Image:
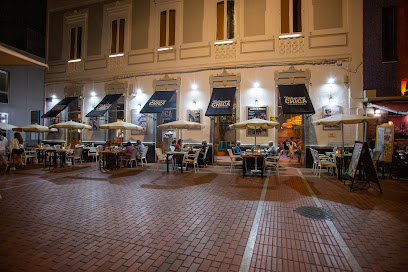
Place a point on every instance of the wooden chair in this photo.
(192, 159)
(161, 157)
(272, 161)
(235, 159)
(132, 158)
(76, 156)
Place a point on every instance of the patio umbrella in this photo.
(255, 123)
(340, 119)
(181, 124)
(32, 128)
(121, 125)
(71, 125)
(4, 126)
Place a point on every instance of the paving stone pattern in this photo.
(81, 219)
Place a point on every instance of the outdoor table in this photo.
(40, 154)
(257, 158)
(56, 153)
(110, 159)
(175, 154)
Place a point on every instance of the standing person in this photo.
(17, 147)
(179, 145)
(3, 148)
(237, 148)
(296, 150)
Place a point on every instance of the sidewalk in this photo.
(81, 219)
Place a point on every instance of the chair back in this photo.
(313, 155)
(159, 152)
(144, 152)
(205, 152)
(133, 156)
(196, 155)
(78, 153)
(230, 153)
(92, 149)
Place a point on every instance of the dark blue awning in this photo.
(221, 102)
(295, 99)
(104, 105)
(59, 107)
(158, 102)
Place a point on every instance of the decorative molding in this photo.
(292, 46)
(166, 83)
(117, 87)
(73, 90)
(75, 68)
(95, 64)
(116, 64)
(166, 55)
(293, 76)
(76, 16)
(117, 9)
(195, 52)
(57, 68)
(328, 40)
(140, 58)
(257, 46)
(225, 51)
(225, 79)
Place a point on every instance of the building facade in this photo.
(140, 47)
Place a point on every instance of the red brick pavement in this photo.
(81, 219)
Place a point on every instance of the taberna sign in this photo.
(222, 102)
(295, 99)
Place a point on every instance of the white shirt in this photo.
(15, 144)
(272, 150)
(3, 145)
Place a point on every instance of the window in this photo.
(291, 16)
(35, 117)
(389, 34)
(4, 92)
(75, 43)
(74, 110)
(118, 36)
(116, 113)
(167, 28)
(225, 20)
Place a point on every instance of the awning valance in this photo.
(104, 105)
(295, 99)
(59, 107)
(394, 107)
(221, 102)
(157, 102)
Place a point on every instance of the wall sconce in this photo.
(194, 104)
(139, 106)
(256, 84)
(194, 86)
(256, 102)
(93, 93)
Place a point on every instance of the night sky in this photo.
(23, 25)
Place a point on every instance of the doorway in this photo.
(291, 129)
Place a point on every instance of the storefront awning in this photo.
(59, 107)
(394, 107)
(104, 105)
(221, 102)
(157, 103)
(295, 99)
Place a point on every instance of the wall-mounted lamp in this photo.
(256, 102)
(194, 86)
(139, 106)
(93, 93)
(331, 80)
(139, 91)
(256, 84)
(194, 104)
(53, 96)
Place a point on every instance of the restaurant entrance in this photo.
(291, 130)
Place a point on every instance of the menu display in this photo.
(260, 113)
(385, 142)
(139, 119)
(351, 171)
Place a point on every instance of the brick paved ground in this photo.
(81, 219)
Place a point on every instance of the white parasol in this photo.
(255, 123)
(71, 125)
(4, 126)
(181, 124)
(33, 128)
(121, 125)
(340, 119)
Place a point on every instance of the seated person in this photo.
(179, 145)
(237, 150)
(79, 144)
(272, 149)
(203, 146)
(126, 153)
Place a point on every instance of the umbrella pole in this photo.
(342, 138)
(255, 137)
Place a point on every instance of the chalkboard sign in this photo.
(361, 158)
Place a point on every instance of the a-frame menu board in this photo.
(361, 156)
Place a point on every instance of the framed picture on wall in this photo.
(194, 116)
(403, 125)
(139, 119)
(330, 111)
(260, 113)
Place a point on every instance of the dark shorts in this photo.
(17, 151)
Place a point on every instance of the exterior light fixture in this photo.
(164, 48)
(116, 55)
(256, 102)
(74, 60)
(331, 80)
(390, 122)
(194, 104)
(223, 42)
(53, 96)
(139, 91)
(256, 85)
(377, 111)
(139, 106)
(289, 36)
(93, 93)
(194, 86)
